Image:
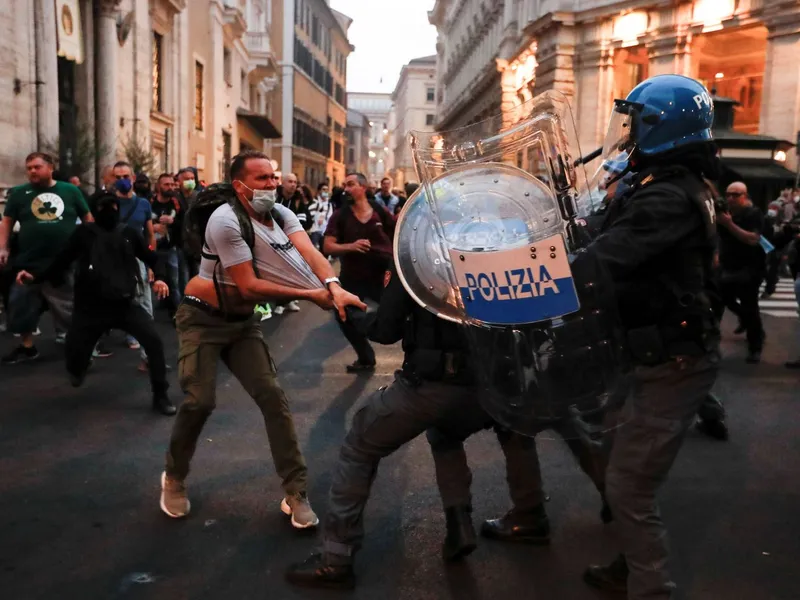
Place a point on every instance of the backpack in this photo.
(113, 268)
(196, 220)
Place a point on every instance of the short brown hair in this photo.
(43, 155)
(239, 161)
(160, 177)
(122, 163)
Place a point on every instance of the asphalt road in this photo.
(79, 486)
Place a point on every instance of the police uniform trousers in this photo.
(393, 416)
(661, 405)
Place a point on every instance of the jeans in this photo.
(88, 326)
(741, 298)
(172, 270)
(359, 341)
(26, 302)
(203, 341)
(144, 300)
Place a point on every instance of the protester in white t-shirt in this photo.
(321, 210)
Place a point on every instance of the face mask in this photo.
(189, 185)
(263, 201)
(324, 195)
(772, 213)
(142, 190)
(123, 186)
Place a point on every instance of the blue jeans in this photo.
(143, 299)
(172, 272)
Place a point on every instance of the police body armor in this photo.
(435, 350)
(665, 308)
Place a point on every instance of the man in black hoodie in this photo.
(105, 287)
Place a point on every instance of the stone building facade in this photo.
(119, 73)
(495, 55)
(414, 99)
(357, 133)
(313, 82)
(378, 109)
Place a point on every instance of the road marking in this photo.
(783, 303)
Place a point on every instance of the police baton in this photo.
(588, 158)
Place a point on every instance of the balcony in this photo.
(233, 18)
(262, 60)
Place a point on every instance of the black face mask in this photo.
(143, 191)
(107, 215)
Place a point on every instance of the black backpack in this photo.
(196, 220)
(113, 268)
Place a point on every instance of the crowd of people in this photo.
(225, 256)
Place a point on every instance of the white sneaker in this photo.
(278, 310)
(293, 306)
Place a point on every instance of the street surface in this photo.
(79, 487)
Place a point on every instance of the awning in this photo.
(759, 170)
(260, 123)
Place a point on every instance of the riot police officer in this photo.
(434, 389)
(658, 246)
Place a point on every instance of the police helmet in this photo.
(660, 114)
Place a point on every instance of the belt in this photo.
(215, 312)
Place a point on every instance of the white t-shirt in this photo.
(277, 260)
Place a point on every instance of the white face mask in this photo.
(263, 200)
(324, 195)
(772, 213)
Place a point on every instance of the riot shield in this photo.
(492, 241)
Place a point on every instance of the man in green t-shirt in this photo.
(47, 212)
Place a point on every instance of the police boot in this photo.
(612, 578)
(460, 540)
(318, 572)
(529, 526)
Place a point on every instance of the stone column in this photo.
(594, 78)
(107, 110)
(287, 88)
(555, 57)
(671, 54)
(46, 72)
(780, 103)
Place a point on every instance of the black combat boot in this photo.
(529, 526)
(316, 572)
(460, 540)
(612, 578)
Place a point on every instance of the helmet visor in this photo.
(620, 136)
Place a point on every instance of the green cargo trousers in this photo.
(204, 339)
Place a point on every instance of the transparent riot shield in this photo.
(492, 240)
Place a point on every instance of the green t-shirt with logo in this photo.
(47, 217)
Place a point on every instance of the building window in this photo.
(158, 99)
(351, 156)
(245, 89)
(226, 66)
(198, 96)
(225, 166)
(310, 138)
(428, 119)
(337, 152)
(430, 94)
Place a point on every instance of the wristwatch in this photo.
(331, 280)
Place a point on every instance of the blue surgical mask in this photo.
(123, 186)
